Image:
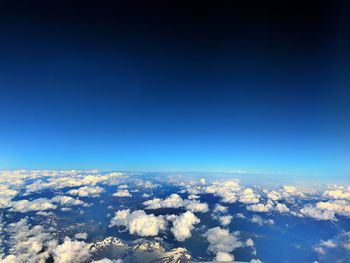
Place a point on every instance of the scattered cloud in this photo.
(92, 191)
(183, 224)
(222, 243)
(138, 222)
(122, 193)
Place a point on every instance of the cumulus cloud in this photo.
(260, 221)
(87, 191)
(63, 179)
(225, 220)
(122, 193)
(341, 241)
(71, 251)
(282, 208)
(222, 242)
(248, 197)
(183, 224)
(227, 190)
(81, 236)
(274, 195)
(219, 209)
(219, 212)
(224, 257)
(260, 207)
(338, 193)
(175, 201)
(195, 206)
(29, 244)
(66, 200)
(316, 213)
(40, 204)
(327, 210)
(138, 222)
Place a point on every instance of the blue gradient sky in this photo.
(150, 97)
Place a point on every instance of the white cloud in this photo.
(249, 242)
(274, 195)
(225, 220)
(81, 236)
(87, 191)
(340, 207)
(224, 257)
(340, 241)
(39, 204)
(248, 197)
(222, 241)
(339, 193)
(175, 201)
(71, 251)
(122, 193)
(195, 206)
(260, 207)
(29, 244)
(138, 222)
(226, 190)
(183, 224)
(66, 200)
(282, 208)
(220, 209)
(316, 213)
(260, 221)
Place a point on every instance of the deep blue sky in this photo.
(262, 87)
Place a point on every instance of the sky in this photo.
(256, 86)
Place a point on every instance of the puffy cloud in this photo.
(316, 213)
(248, 197)
(225, 220)
(39, 204)
(175, 201)
(218, 212)
(249, 242)
(202, 181)
(122, 193)
(274, 195)
(226, 190)
(340, 207)
(195, 206)
(87, 191)
(221, 241)
(282, 208)
(341, 241)
(66, 200)
(224, 257)
(220, 209)
(193, 196)
(6, 192)
(260, 221)
(339, 193)
(71, 251)
(183, 224)
(63, 179)
(268, 207)
(81, 236)
(29, 244)
(260, 207)
(138, 222)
